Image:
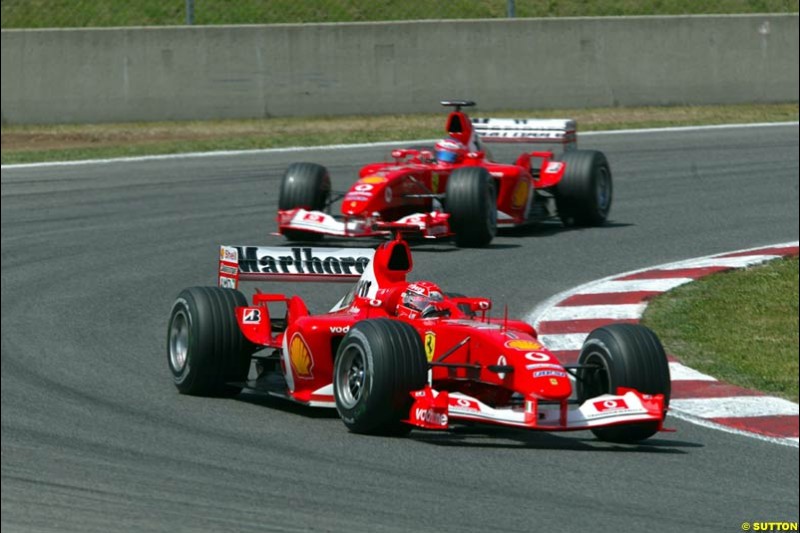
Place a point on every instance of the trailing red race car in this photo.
(455, 189)
(393, 354)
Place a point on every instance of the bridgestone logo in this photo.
(253, 259)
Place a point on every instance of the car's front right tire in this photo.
(378, 364)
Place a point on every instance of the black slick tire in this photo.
(378, 363)
(471, 200)
(307, 186)
(206, 350)
(625, 355)
(584, 194)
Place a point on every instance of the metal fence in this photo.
(94, 13)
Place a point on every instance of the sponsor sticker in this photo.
(610, 405)
(553, 373)
(430, 416)
(302, 260)
(300, 356)
(227, 269)
(553, 167)
(228, 253)
(373, 180)
(464, 404)
(540, 366)
(520, 196)
(430, 345)
(536, 357)
(339, 329)
(523, 345)
(357, 197)
(251, 316)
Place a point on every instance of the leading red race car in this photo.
(392, 354)
(455, 189)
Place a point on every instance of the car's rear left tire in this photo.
(471, 200)
(624, 355)
(307, 186)
(378, 364)
(206, 351)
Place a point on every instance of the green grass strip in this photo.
(739, 326)
(86, 13)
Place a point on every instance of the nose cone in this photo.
(551, 384)
(544, 377)
(353, 206)
(364, 195)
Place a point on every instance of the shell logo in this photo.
(520, 195)
(373, 180)
(300, 356)
(523, 345)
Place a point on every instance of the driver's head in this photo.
(450, 151)
(419, 299)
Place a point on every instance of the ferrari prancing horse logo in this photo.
(430, 345)
(435, 182)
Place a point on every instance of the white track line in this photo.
(636, 285)
(369, 145)
(735, 406)
(785, 441)
(589, 312)
(727, 262)
(681, 372)
(564, 341)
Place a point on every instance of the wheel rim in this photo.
(351, 376)
(179, 341)
(596, 382)
(603, 190)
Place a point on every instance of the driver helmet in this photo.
(450, 150)
(419, 299)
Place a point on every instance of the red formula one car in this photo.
(392, 354)
(455, 189)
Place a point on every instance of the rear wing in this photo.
(298, 263)
(527, 130)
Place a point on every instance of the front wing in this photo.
(431, 225)
(435, 410)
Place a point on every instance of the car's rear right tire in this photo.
(307, 186)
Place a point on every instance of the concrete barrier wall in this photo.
(212, 72)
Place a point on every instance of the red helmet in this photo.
(419, 299)
(450, 151)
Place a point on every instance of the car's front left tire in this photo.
(623, 355)
(206, 351)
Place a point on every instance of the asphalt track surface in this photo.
(96, 438)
